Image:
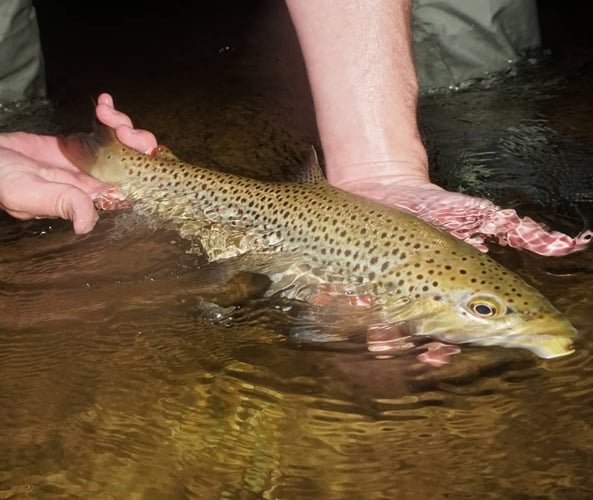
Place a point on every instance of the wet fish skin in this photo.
(438, 285)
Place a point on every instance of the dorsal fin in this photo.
(311, 172)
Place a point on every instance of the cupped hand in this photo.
(37, 180)
(474, 220)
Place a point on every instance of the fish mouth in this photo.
(549, 344)
(548, 338)
(543, 346)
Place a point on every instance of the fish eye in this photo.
(483, 307)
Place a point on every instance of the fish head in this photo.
(487, 319)
(487, 305)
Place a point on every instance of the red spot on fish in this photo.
(156, 151)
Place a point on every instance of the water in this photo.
(111, 388)
(114, 385)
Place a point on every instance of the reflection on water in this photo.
(113, 385)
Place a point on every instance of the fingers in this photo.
(82, 181)
(140, 140)
(50, 199)
(42, 148)
(106, 99)
(468, 218)
(45, 149)
(111, 117)
(74, 205)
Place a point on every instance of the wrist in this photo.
(406, 166)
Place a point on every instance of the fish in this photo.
(416, 274)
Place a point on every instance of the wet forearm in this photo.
(360, 66)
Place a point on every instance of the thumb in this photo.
(75, 205)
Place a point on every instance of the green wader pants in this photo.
(22, 74)
(454, 41)
(460, 40)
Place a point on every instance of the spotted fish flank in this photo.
(438, 285)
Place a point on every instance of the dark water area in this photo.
(114, 384)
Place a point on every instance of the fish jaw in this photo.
(545, 346)
(547, 333)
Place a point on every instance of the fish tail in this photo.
(96, 153)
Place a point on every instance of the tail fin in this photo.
(96, 153)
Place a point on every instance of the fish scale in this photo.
(438, 285)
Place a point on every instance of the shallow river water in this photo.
(114, 385)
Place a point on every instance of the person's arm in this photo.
(360, 67)
(359, 62)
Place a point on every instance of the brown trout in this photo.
(439, 286)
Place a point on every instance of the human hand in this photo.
(37, 180)
(474, 220)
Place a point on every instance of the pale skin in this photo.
(359, 62)
(365, 94)
(37, 180)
